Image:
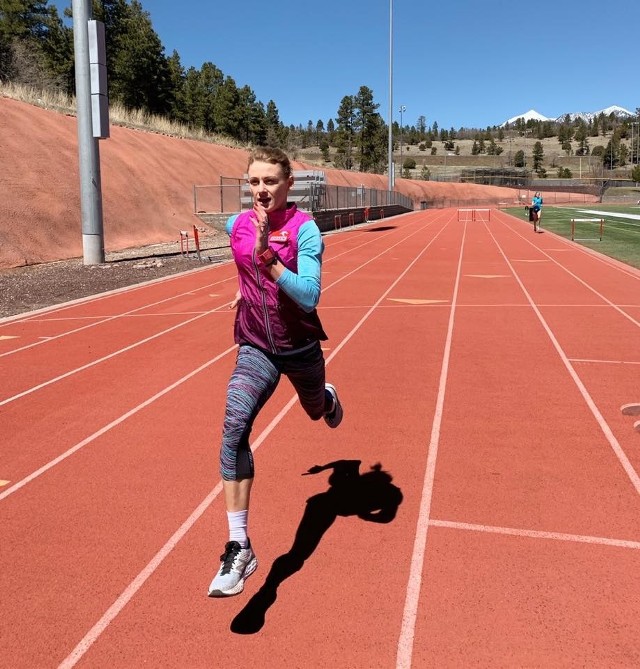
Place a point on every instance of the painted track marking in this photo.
(604, 426)
(410, 612)
(130, 591)
(536, 534)
(20, 484)
(74, 449)
(98, 322)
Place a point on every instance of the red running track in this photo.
(482, 505)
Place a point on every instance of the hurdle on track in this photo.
(184, 243)
(599, 221)
(467, 215)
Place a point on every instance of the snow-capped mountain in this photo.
(589, 116)
(533, 115)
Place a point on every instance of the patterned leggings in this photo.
(252, 383)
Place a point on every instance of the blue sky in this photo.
(462, 63)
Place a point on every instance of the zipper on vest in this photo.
(265, 310)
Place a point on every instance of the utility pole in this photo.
(402, 110)
(88, 151)
(390, 142)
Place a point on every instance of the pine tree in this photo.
(538, 155)
(177, 77)
(210, 80)
(253, 122)
(140, 78)
(345, 132)
(26, 55)
(276, 134)
(226, 108)
(369, 127)
(57, 47)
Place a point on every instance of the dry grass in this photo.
(442, 163)
(118, 114)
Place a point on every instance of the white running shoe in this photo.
(333, 418)
(237, 565)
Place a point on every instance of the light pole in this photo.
(634, 153)
(390, 141)
(401, 110)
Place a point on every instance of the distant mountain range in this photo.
(532, 114)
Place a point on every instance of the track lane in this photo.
(147, 369)
(94, 465)
(547, 595)
(519, 448)
(402, 395)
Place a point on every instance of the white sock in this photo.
(238, 527)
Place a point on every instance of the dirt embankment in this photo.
(147, 185)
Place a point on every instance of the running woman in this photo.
(278, 254)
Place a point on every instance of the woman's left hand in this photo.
(236, 300)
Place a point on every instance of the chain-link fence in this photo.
(233, 195)
(224, 197)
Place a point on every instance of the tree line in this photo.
(36, 49)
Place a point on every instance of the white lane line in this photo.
(584, 250)
(133, 312)
(135, 410)
(606, 362)
(606, 430)
(575, 276)
(74, 449)
(612, 214)
(131, 590)
(101, 321)
(71, 372)
(410, 612)
(537, 534)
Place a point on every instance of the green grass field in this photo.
(621, 238)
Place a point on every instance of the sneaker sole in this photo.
(239, 587)
(337, 419)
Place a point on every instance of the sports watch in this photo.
(268, 257)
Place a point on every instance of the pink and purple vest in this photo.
(267, 317)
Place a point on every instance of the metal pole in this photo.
(88, 151)
(402, 110)
(390, 147)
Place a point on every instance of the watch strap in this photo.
(268, 257)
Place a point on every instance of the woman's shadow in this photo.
(370, 496)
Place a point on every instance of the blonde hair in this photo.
(270, 154)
